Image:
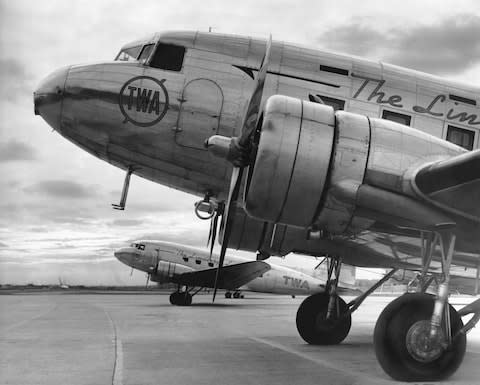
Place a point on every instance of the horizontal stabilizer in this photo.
(231, 277)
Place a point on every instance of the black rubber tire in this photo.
(236, 295)
(174, 298)
(180, 299)
(185, 299)
(228, 295)
(313, 326)
(390, 340)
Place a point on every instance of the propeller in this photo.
(239, 153)
(155, 269)
(212, 235)
(148, 280)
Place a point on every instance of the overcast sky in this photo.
(55, 214)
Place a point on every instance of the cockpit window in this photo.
(129, 54)
(168, 57)
(144, 55)
(138, 246)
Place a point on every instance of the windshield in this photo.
(129, 54)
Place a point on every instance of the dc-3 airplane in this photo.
(300, 150)
(195, 268)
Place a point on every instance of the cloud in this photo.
(449, 46)
(127, 222)
(3, 245)
(15, 150)
(185, 237)
(15, 79)
(61, 189)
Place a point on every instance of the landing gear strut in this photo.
(183, 298)
(419, 337)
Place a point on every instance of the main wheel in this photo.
(313, 325)
(403, 345)
(236, 294)
(185, 299)
(228, 295)
(174, 298)
(180, 299)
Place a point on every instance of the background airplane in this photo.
(194, 269)
(209, 114)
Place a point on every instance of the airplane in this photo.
(293, 149)
(195, 269)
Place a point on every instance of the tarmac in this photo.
(111, 338)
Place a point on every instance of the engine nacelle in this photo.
(165, 271)
(306, 153)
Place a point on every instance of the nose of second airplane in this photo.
(124, 255)
(48, 97)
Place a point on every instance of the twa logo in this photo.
(296, 282)
(143, 100)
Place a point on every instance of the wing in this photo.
(452, 185)
(232, 277)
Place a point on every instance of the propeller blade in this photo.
(210, 233)
(148, 280)
(232, 198)
(239, 154)
(251, 117)
(238, 150)
(213, 227)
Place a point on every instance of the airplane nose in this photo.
(48, 97)
(124, 256)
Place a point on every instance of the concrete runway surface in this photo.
(108, 338)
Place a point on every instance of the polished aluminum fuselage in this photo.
(155, 122)
(209, 94)
(171, 259)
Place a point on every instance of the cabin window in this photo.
(461, 137)
(210, 264)
(337, 104)
(397, 117)
(461, 99)
(129, 54)
(168, 57)
(185, 259)
(144, 55)
(141, 247)
(333, 70)
(198, 261)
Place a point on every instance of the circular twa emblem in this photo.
(143, 100)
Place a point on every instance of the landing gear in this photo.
(235, 294)
(420, 337)
(314, 325)
(181, 298)
(324, 318)
(405, 347)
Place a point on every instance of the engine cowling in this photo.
(306, 154)
(165, 271)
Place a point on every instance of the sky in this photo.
(55, 215)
